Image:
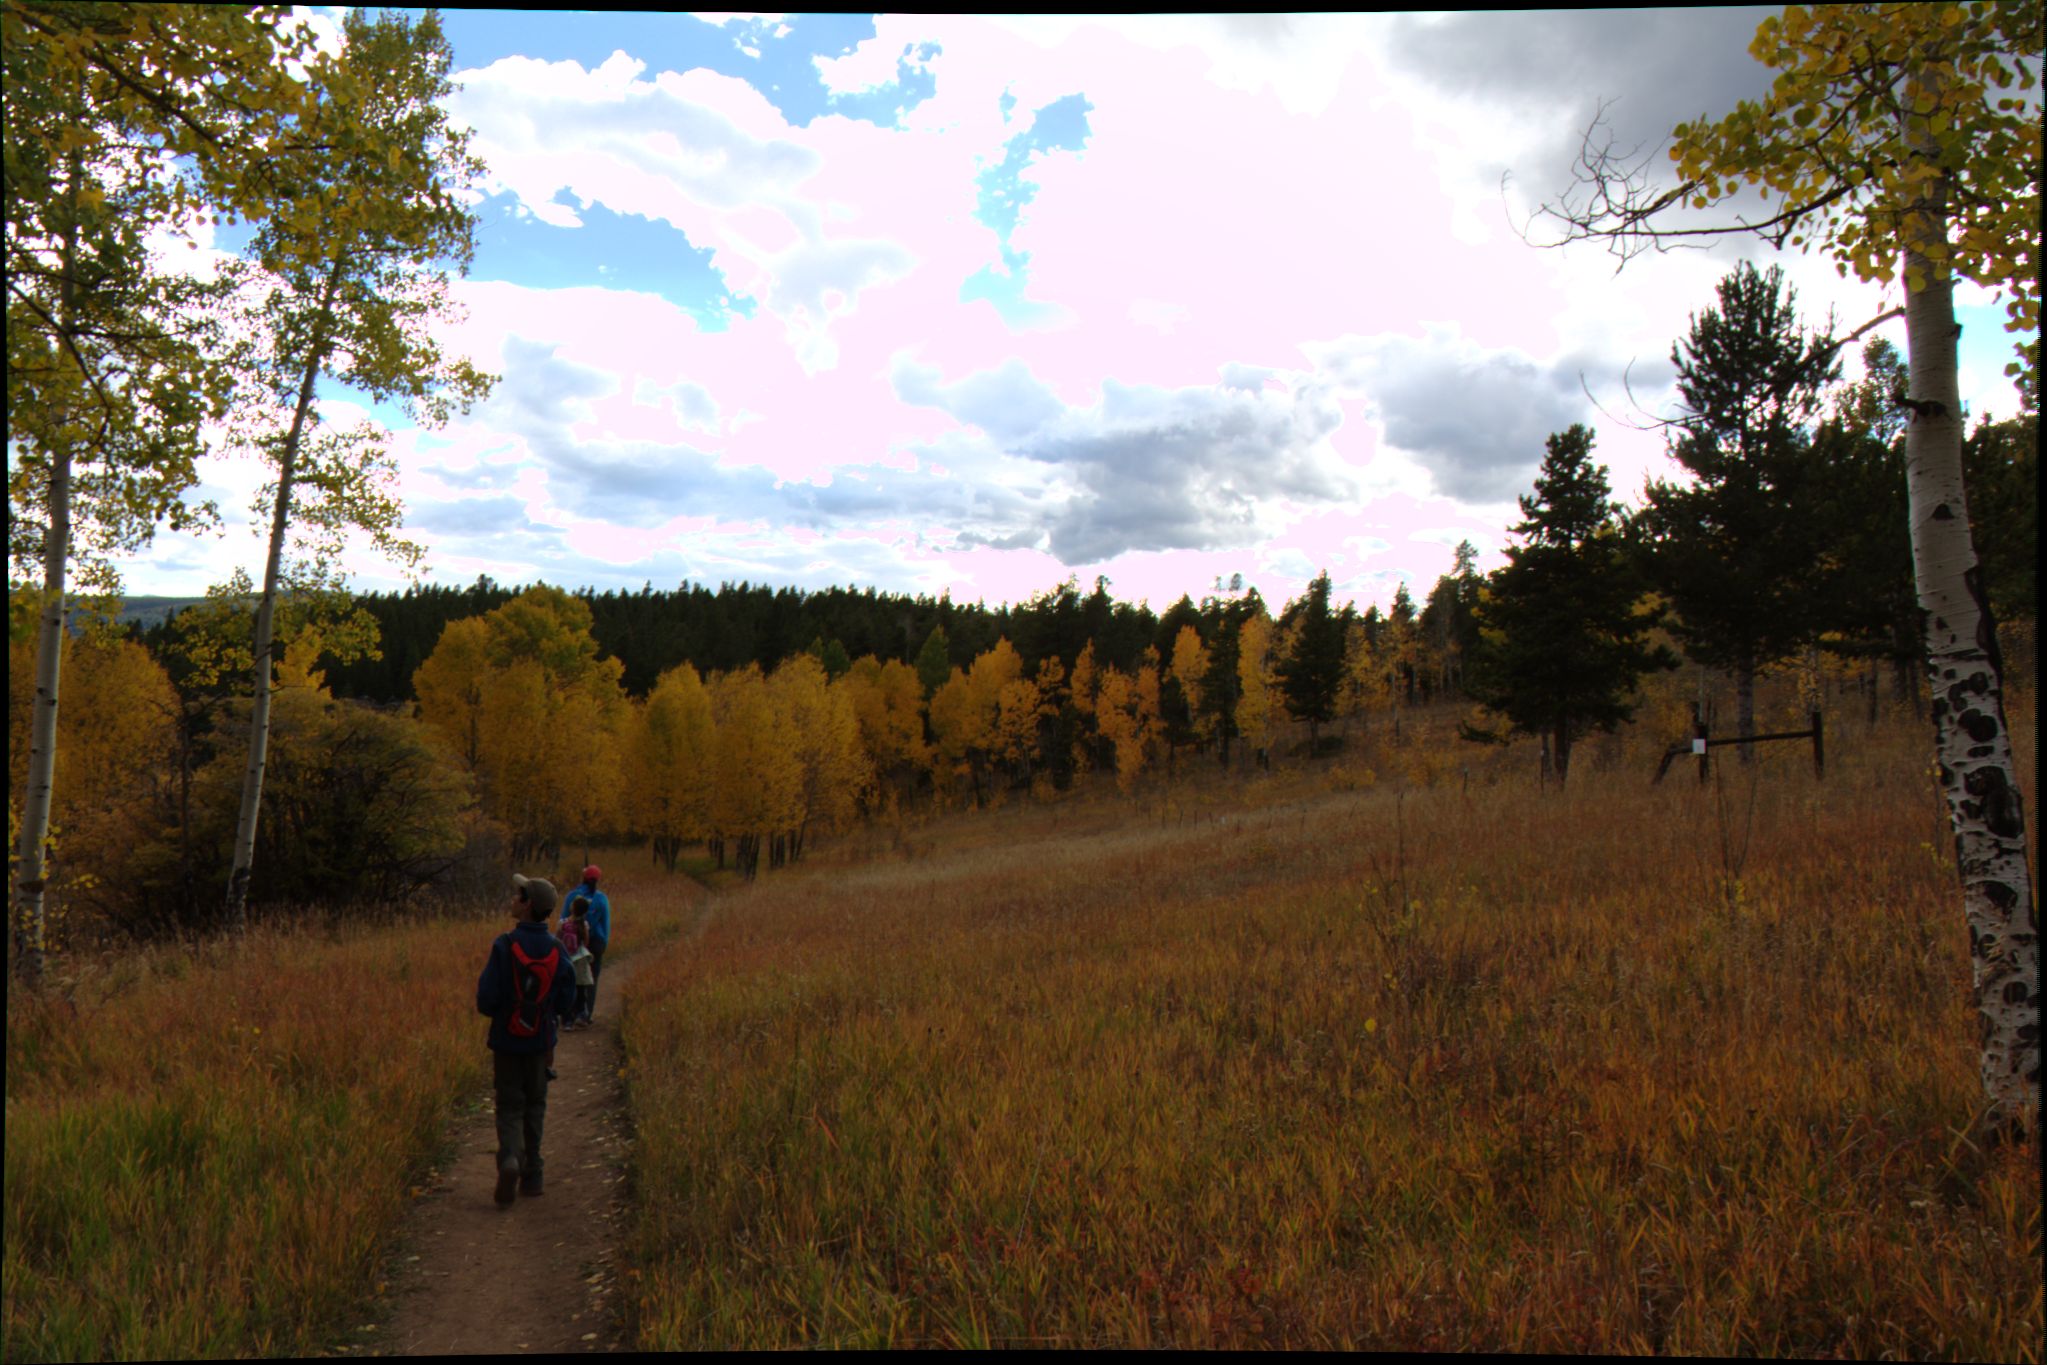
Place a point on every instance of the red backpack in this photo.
(532, 983)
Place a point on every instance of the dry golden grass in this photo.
(1425, 1061)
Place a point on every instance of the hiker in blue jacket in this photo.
(598, 921)
(526, 985)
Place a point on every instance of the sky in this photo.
(951, 304)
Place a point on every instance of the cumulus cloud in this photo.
(1146, 468)
(1474, 418)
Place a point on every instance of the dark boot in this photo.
(528, 1185)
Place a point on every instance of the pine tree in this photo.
(1447, 623)
(1310, 675)
(934, 664)
(1561, 642)
(1730, 551)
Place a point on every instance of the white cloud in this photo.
(1300, 59)
(1474, 417)
(1146, 468)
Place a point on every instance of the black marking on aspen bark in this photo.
(1986, 623)
(2015, 993)
(1943, 513)
(1998, 802)
(1924, 407)
(1980, 727)
(1982, 751)
(2000, 895)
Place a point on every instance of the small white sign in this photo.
(1698, 746)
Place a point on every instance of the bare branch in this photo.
(1619, 204)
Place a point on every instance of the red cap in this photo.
(592, 873)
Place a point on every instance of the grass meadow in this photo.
(1392, 1050)
(1416, 1059)
(209, 1147)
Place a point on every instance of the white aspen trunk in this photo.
(29, 874)
(266, 608)
(42, 742)
(1964, 673)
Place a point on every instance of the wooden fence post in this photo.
(1699, 736)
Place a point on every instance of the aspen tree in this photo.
(1367, 675)
(822, 734)
(992, 670)
(119, 120)
(952, 718)
(1150, 723)
(670, 763)
(1257, 688)
(1116, 721)
(888, 704)
(522, 692)
(759, 780)
(449, 685)
(353, 265)
(1904, 142)
(1019, 707)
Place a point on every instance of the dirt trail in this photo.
(460, 1254)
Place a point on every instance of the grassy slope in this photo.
(1205, 1073)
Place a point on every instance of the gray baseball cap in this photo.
(540, 895)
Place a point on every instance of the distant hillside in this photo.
(150, 611)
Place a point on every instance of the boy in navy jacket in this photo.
(520, 1039)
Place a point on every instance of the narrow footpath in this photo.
(538, 1276)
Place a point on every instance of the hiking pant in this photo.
(586, 997)
(520, 1080)
(596, 967)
